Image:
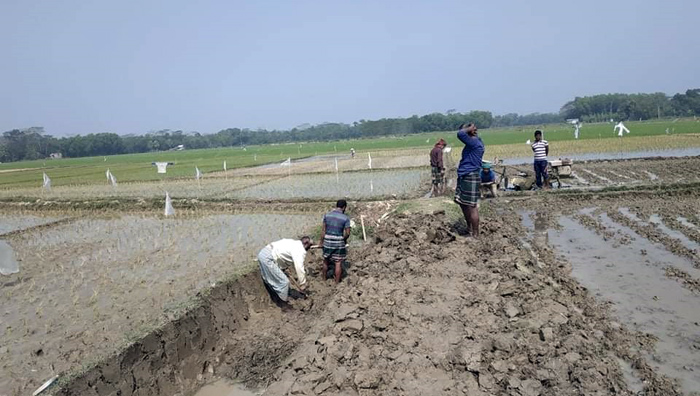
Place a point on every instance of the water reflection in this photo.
(541, 236)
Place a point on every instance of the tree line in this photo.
(642, 106)
(34, 143)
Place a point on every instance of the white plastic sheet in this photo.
(47, 182)
(169, 210)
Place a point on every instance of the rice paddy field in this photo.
(88, 286)
(90, 282)
(137, 167)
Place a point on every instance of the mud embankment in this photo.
(427, 312)
(180, 356)
(234, 331)
(424, 311)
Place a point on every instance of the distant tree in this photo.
(33, 143)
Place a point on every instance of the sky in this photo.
(78, 67)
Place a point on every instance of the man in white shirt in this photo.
(541, 149)
(279, 255)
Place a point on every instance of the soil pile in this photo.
(428, 312)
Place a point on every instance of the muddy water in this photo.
(226, 388)
(687, 242)
(654, 252)
(10, 223)
(686, 223)
(351, 184)
(644, 299)
(683, 152)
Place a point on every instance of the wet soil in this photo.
(427, 311)
(632, 278)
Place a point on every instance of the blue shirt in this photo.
(472, 153)
(487, 176)
(336, 222)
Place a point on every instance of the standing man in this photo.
(334, 234)
(438, 168)
(277, 256)
(468, 180)
(541, 149)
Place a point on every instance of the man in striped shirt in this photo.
(541, 149)
(335, 233)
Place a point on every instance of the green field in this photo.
(137, 167)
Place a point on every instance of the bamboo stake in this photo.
(364, 234)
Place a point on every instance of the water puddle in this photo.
(656, 220)
(579, 178)
(655, 253)
(621, 176)
(603, 178)
(12, 223)
(643, 297)
(686, 222)
(687, 242)
(226, 388)
(634, 383)
(8, 263)
(682, 152)
(651, 175)
(628, 213)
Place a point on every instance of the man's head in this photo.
(441, 143)
(486, 167)
(538, 135)
(307, 242)
(341, 204)
(471, 129)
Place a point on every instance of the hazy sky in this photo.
(134, 66)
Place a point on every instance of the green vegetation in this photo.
(641, 106)
(32, 143)
(137, 167)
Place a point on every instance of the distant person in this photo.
(488, 180)
(540, 148)
(352, 153)
(437, 167)
(335, 232)
(279, 255)
(468, 181)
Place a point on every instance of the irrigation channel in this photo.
(591, 289)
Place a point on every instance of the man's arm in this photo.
(462, 136)
(546, 148)
(439, 160)
(323, 231)
(298, 255)
(346, 230)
